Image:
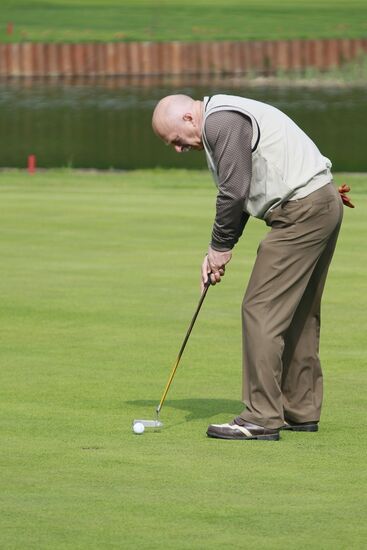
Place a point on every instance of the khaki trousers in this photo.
(282, 376)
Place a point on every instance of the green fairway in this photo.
(99, 280)
(82, 20)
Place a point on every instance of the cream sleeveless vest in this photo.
(284, 159)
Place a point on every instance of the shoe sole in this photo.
(267, 437)
(309, 428)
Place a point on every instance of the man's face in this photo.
(185, 136)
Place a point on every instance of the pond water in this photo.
(106, 124)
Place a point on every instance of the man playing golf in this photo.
(265, 166)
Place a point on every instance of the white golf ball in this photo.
(138, 428)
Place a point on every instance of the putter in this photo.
(157, 423)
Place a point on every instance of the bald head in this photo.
(177, 119)
(170, 112)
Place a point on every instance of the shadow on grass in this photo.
(196, 408)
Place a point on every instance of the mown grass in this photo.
(83, 20)
(99, 279)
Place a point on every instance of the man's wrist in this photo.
(218, 247)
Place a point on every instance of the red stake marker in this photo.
(31, 164)
(9, 28)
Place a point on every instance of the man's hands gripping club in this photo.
(214, 263)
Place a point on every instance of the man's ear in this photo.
(187, 117)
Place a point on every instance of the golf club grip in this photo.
(202, 297)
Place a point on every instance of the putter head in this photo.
(150, 423)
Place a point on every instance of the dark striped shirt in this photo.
(229, 136)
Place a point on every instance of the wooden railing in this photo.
(174, 58)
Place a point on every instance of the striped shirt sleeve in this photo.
(229, 135)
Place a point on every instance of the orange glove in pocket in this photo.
(343, 189)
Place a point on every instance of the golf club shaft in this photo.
(207, 285)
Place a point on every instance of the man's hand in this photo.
(214, 263)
